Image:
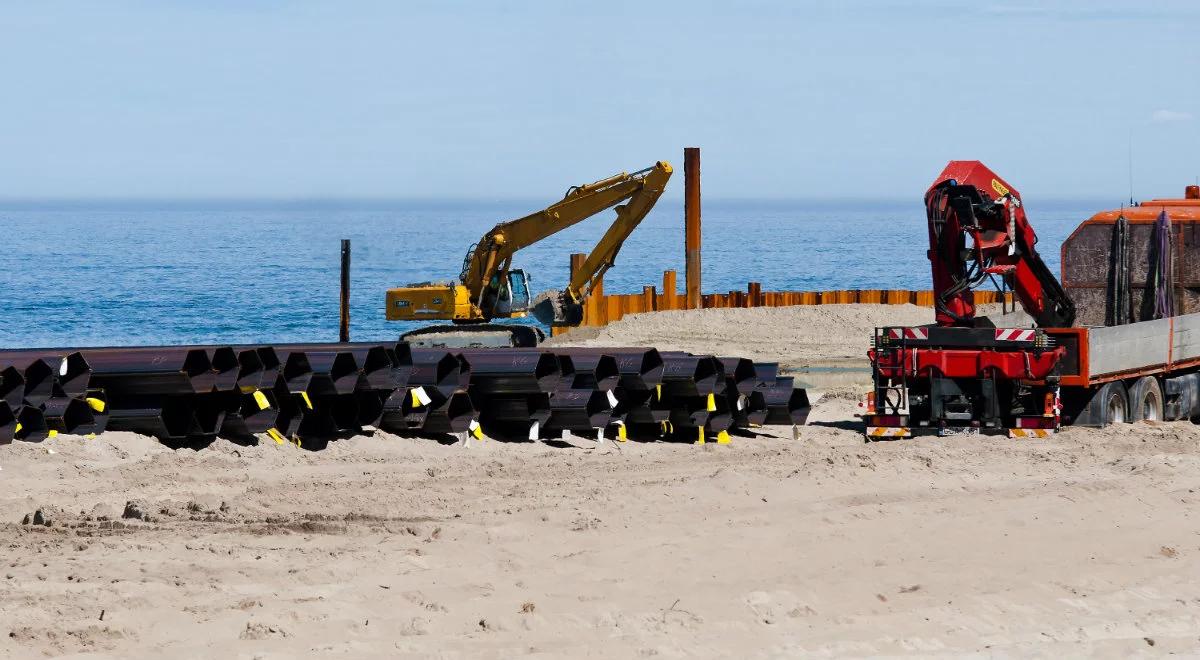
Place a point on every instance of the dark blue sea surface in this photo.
(89, 274)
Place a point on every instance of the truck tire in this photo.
(1108, 405)
(1146, 400)
(1114, 404)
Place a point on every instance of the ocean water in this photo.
(118, 274)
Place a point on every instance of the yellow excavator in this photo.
(490, 288)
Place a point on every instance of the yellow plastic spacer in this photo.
(51, 433)
(621, 433)
(276, 436)
(261, 400)
(416, 400)
(658, 392)
(96, 404)
(723, 438)
(699, 435)
(307, 401)
(296, 439)
(90, 436)
(18, 429)
(712, 403)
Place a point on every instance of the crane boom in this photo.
(968, 200)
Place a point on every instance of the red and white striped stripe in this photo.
(1015, 334)
(908, 333)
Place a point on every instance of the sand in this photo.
(773, 546)
(799, 337)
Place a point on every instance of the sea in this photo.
(134, 273)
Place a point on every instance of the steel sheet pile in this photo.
(312, 393)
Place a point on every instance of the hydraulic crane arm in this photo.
(489, 260)
(978, 231)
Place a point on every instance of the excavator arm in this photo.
(629, 216)
(978, 231)
(487, 263)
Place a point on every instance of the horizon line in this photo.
(369, 200)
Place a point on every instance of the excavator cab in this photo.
(518, 288)
(507, 295)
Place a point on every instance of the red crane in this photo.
(978, 231)
(963, 372)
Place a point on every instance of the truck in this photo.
(1116, 340)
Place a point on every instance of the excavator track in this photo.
(475, 335)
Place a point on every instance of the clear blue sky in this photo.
(275, 99)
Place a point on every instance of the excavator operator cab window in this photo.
(518, 286)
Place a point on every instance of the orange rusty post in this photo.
(669, 289)
(648, 299)
(691, 220)
(577, 260)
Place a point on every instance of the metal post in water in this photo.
(344, 325)
(691, 216)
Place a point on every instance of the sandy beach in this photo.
(773, 546)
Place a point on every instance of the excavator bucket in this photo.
(554, 308)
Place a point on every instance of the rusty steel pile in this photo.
(312, 393)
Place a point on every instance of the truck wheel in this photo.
(1114, 404)
(1104, 406)
(1146, 400)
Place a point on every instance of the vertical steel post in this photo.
(577, 260)
(691, 215)
(670, 291)
(344, 325)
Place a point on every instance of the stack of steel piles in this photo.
(187, 395)
(785, 403)
(44, 392)
(175, 393)
(430, 393)
(627, 392)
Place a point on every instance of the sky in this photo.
(505, 100)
